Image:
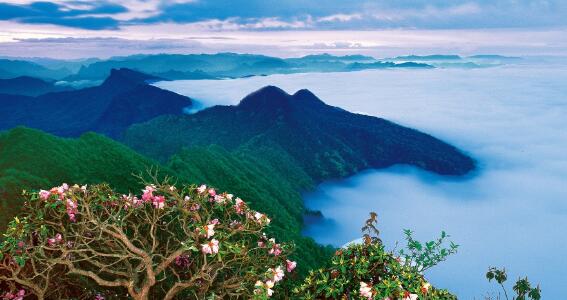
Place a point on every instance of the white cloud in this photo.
(429, 11)
(229, 36)
(340, 18)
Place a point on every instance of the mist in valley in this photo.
(512, 212)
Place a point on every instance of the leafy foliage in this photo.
(523, 288)
(170, 242)
(367, 270)
(421, 257)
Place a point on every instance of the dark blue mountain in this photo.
(29, 86)
(123, 99)
(325, 141)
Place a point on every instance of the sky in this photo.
(103, 28)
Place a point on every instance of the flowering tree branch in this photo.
(165, 243)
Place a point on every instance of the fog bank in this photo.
(512, 119)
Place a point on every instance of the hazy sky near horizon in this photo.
(102, 28)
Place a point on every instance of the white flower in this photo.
(365, 290)
(202, 189)
(210, 230)
(411, 297)
(269, 286)
(425, 287)
(211, 247)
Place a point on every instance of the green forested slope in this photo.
(265, 188)
(31, 159)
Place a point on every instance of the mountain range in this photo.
(267, 149)
(124, 98)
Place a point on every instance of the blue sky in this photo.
(191, 25)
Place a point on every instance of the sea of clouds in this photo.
(512, 119)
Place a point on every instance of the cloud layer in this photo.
(285, 14)
(512, 119)
(284, 27)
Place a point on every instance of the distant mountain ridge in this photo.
(122, 99)
(223, 65)
(29, 86)
(325, 141)
(10, 68)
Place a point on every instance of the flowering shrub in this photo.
(368, 271)
(189, 242)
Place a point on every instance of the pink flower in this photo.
(240, 206)
(277, 273)
(71, 204)
(212, 192)
(219, 199)
(71, 209)
(261, 244)
(59, 190)
(195, 207)
(365, 290)
(215, 221)
(99, 297)
(211, 247)
(275, 250)
(18, 296)
(148, 194)
(21, 294)
(44, 195)
(54, 240)
(202, 189)
(159, 202)
(290, 265)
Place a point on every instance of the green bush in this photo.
(366, 270)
